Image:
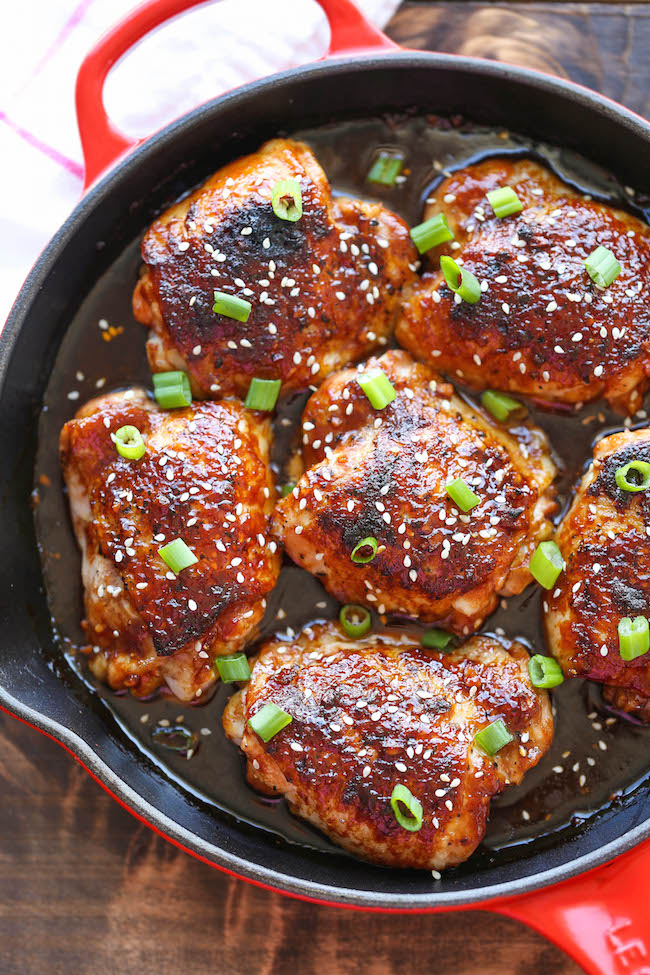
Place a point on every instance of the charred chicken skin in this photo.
(541, 327)
(370, 714)
(324, 290)
(204, 478)
(604, 539)
(382, 474)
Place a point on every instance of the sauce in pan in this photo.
(597, 757)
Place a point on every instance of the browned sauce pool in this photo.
(597, 757)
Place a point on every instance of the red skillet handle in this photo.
(102, 144)
(601, 919)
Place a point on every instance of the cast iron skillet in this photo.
(600, 917)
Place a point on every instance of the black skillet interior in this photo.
(38, 683)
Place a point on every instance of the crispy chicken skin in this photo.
(324, 290)
(371, 713)
(605, 544)
(204, 478)
(382, 473)
(542, 327)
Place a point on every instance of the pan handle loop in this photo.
(601, 919)
(103, 144)
(351, 32)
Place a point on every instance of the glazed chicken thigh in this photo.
(381, 711)
(204, 478)
(541, 326)
(382, 474)
(324, 289)
(604, 539)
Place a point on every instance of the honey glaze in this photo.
(598, 759)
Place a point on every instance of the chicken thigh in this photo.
(381, 711)
(382, 474)
(604, 539)
(324, 289)
(204, 478)
(541, 326)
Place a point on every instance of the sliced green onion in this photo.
(634, 476)
(172, 389)
(633, 637)
(493, 738)
(499, 405)
(370, 545)
(377, 387)
(232, 668)
(504, 202)
(431, 233)
(412, 818)
(546, 564)
(462, 495)
(129, 443)
(177, 555)
(461, 281)
(263, 394)
(269, 720)
(436, 639)
(177, 738)
(355, 620)
(231, 306)
(602, 266)
(287, 488)
(544, 672)
(286, 200)
(386, 167)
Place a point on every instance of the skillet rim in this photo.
(96, 197)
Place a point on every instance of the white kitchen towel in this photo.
(210, 49)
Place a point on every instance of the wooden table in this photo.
(84, 888)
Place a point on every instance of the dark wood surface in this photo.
(601, 45)
(85, 888)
